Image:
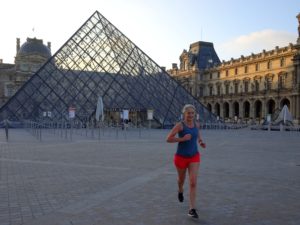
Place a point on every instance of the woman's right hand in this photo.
(187, 137)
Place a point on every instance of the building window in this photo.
(210, 76)
(9, 90)
(256, 86)
(218, 74)
(219, 90)
(200, 91)
(185, 65)
(282, 62)
(24, 67)
(246, 86)
(256, 67)
(210, 90)
(246, 69)
(235, 71)
(268, 83)
(227, 89)
(281, 81)
(236, 88)
(200, 76)
(269, 65)
(226, 73)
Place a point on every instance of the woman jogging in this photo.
(187, 157)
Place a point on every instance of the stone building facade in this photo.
(30, 56)
(248, 89)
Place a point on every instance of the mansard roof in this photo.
(204, 54)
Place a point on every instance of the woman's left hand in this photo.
(201, 143)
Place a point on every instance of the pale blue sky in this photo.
(161, 28)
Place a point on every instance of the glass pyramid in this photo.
(99, 60)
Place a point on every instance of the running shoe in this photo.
(193, 213)
(180, 196)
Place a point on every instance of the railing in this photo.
(281, 127)
(69, 130)
(223, 126)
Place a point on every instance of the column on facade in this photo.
(293, 105)
(252, 109)
(298, 75)
(241, 109)
(222, 109)
(213, 104)
(297, 66)
(277, 103)
(264, 108)
(297, 108)
(230, 109)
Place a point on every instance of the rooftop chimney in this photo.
(49, 45)
(18, 44)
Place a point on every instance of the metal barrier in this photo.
(67, 131)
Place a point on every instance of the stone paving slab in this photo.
(246, 177)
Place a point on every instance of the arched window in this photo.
(218, 90)
(200, 91)
(226, 110)
(281, 80)
(236, 108)
(246, 109)
(236, 88)
(270, 106)
(227, 89)
(268, 83)
(269, 65)
(210, 90)
(258, 109)
(282, 62)
(209, 107)
(246, 86)
(256, 67)
(286, 102)
(217, 109)
(256, 86)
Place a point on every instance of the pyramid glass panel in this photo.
(99, 60)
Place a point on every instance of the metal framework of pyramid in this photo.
(99, 60)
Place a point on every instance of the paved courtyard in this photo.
(117, 177)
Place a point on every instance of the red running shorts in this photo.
(183, 162)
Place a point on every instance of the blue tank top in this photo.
(188, 148)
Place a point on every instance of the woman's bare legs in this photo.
(193, 172)
(181, 178)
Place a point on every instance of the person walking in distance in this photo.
(6, 128)
(187, 158)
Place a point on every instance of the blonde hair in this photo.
(185, 107)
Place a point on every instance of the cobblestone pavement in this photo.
(116, 177)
